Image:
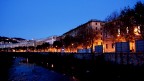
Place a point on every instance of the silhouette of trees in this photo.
(126, 21)
(68, 40)
(57, 44)
(45, 45)
(139, 16)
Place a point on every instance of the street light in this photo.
(72, 46)
(56, 49)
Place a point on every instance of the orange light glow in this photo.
(118, 35)
(136, 31)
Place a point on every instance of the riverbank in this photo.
(5, 64)
(85, 69)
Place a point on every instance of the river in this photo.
(22, 70)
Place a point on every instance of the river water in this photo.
(22, 70)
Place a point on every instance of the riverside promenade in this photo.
(81, 67)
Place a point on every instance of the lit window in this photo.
(118, 31)
(138, 29)
(127, 29)
(112, 45)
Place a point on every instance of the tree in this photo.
(139, 16)
(68, 40)
(45, 45)
(57, 44)
(126, 22)
(39, 47)
(112, 25)
(87, 35)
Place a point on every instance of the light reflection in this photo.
(27, 60)
(47, 64)
(87, 71)
(64, 74)
(52, 65)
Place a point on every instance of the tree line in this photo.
(125, 22)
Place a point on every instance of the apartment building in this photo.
(103, 38)
(95, 25)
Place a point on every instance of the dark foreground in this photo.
(83, 70)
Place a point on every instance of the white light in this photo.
(138, 29)
(127, 29)
(52, 65)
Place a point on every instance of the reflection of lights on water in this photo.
(47, 64)
(14, 57)
(52, 65)
(87, 71)
(27, 60)
(74, 77)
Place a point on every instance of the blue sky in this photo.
(43, 18)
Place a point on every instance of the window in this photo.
(96, 23)
(112, 45)
(106, 46)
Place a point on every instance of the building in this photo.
(85, 29)
(102, 38)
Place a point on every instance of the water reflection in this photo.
(52, 65)
(22, 70)
(27, 60)
(47, 64)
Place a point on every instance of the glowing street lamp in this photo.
(72, 46)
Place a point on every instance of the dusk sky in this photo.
(43, 18)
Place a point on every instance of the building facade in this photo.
(104, 39)
(87, 29)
